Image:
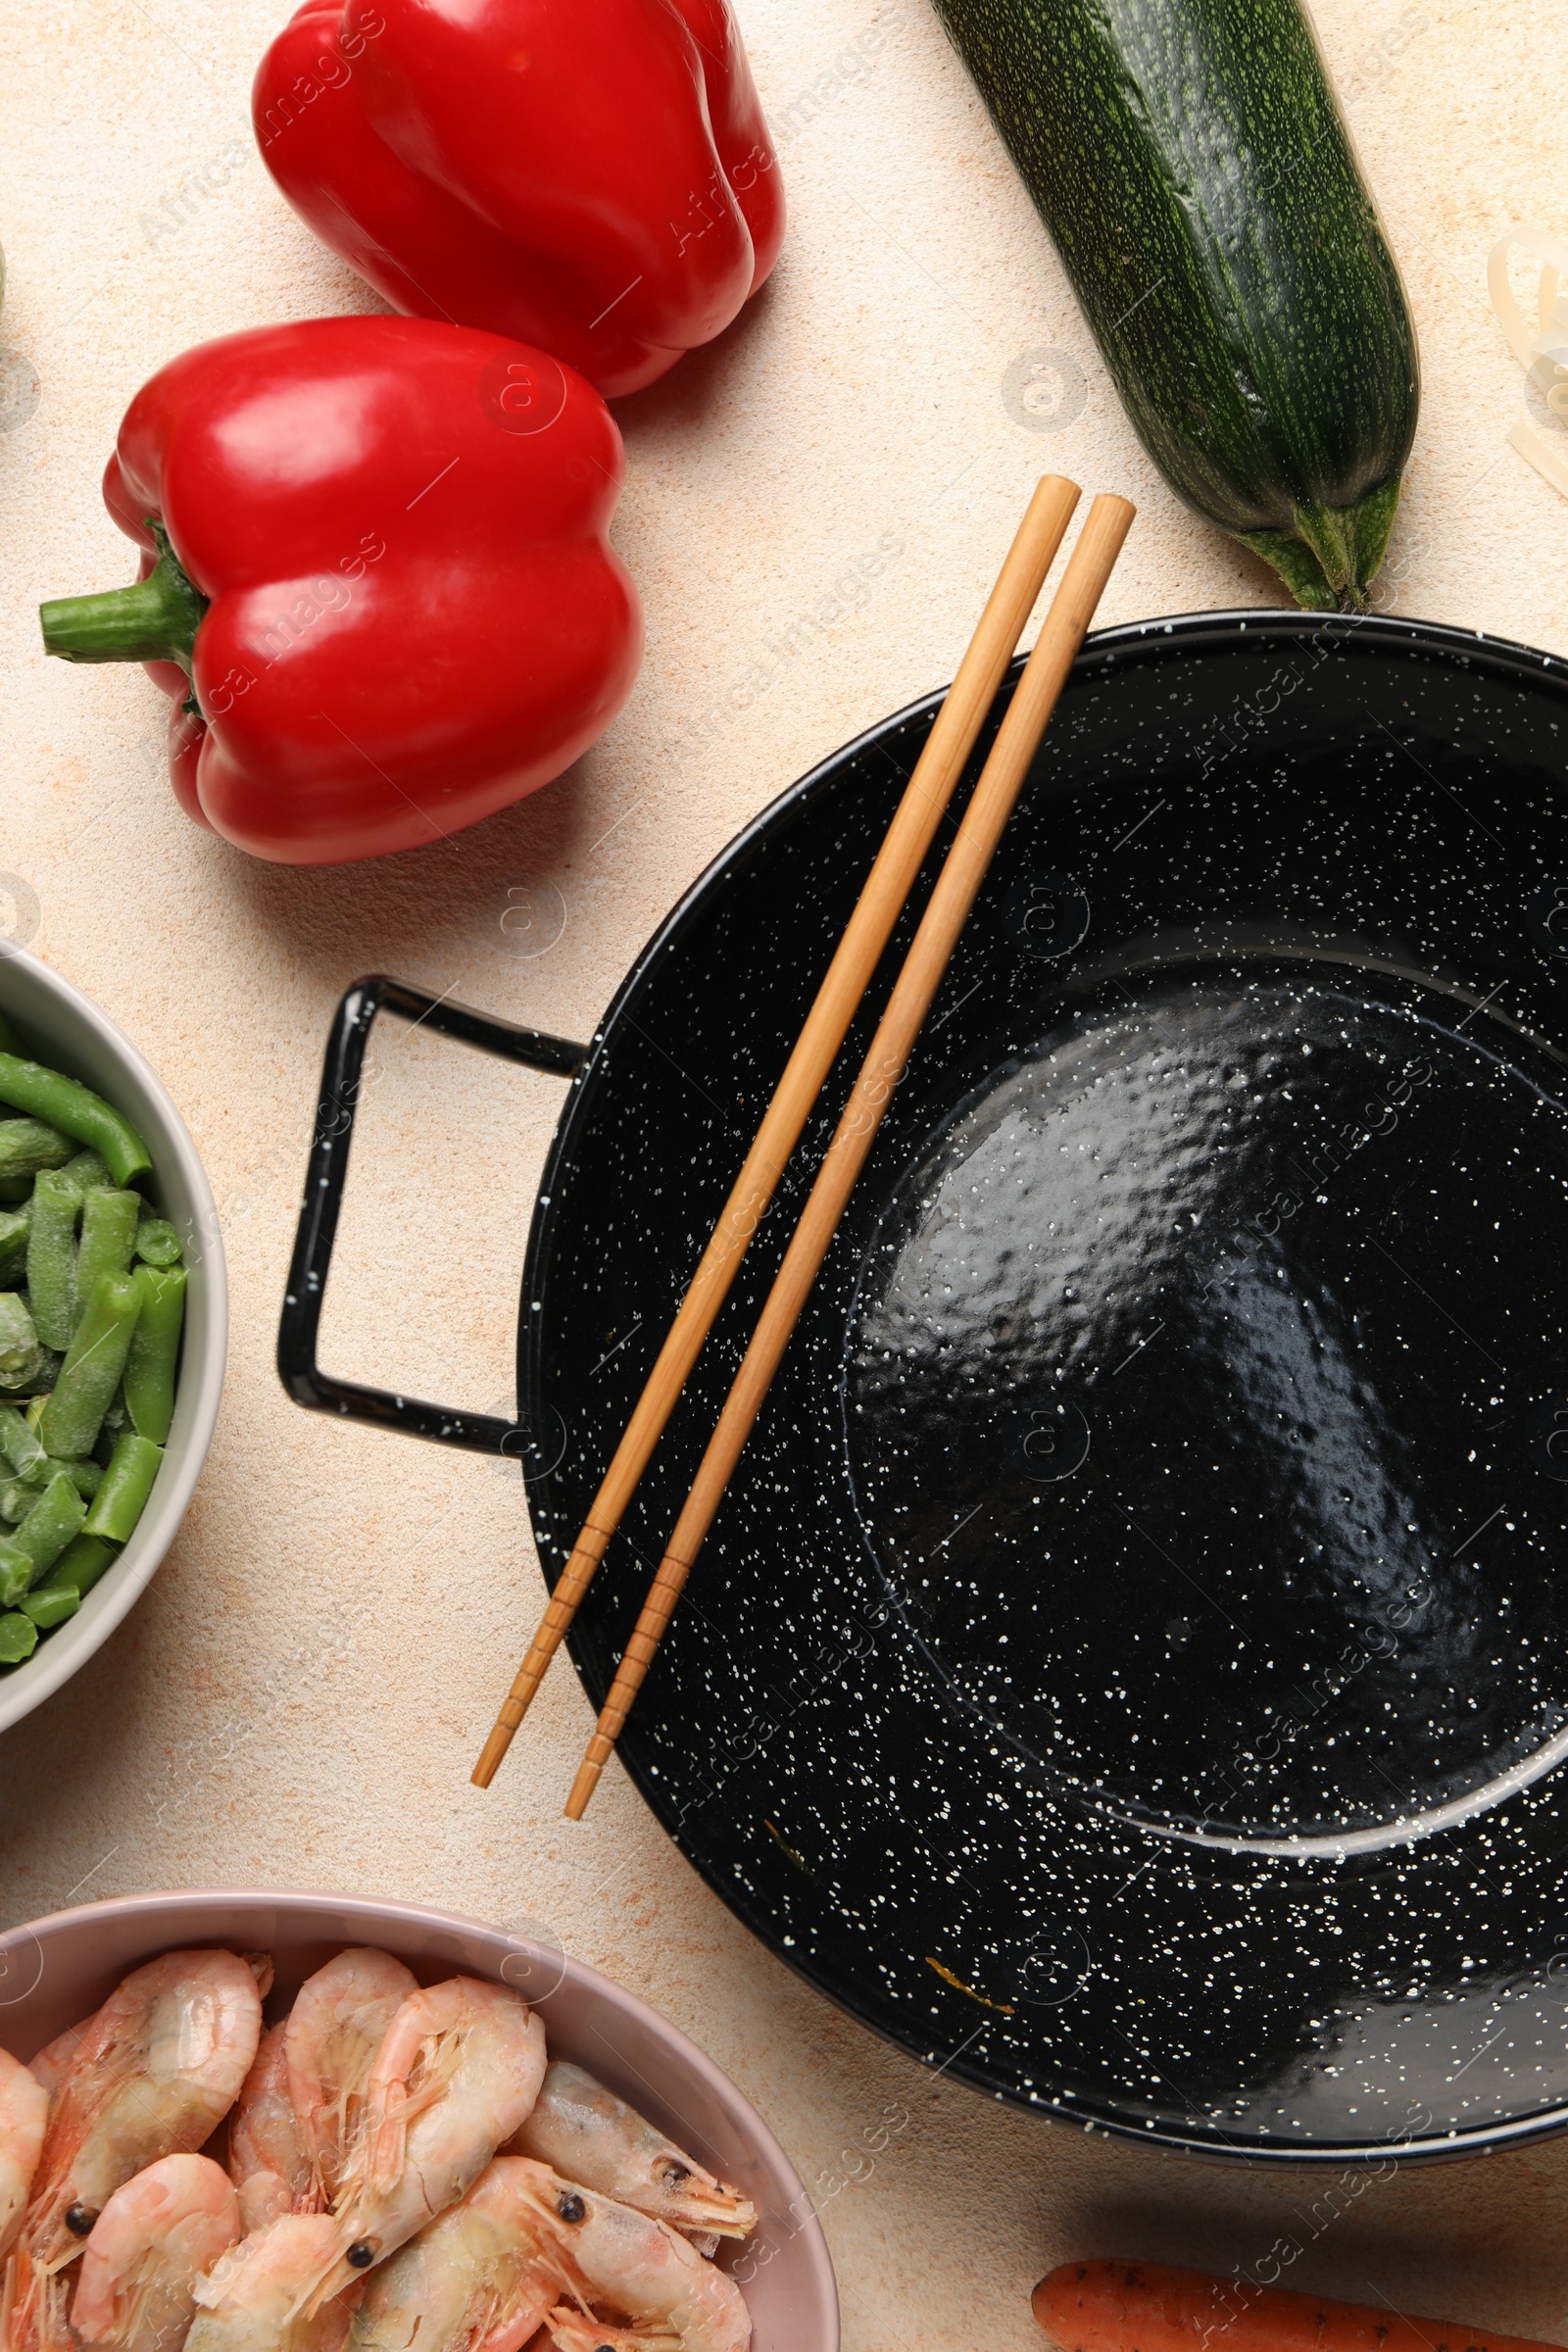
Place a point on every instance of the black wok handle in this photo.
(301, 1375)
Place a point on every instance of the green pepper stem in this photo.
(154, 620)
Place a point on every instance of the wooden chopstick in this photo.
(1001, 779)
(888, 885)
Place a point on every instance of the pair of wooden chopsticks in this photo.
(893, 875)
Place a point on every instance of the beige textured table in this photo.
(299, 1697)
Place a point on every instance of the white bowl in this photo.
(60, 1969)
(67, 1031)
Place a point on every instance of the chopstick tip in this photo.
(582, 1787)
(495, 1747)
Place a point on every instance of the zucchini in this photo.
(1192, 165)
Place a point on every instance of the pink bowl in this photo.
(60, 1969)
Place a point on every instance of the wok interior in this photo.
(1186, 1372)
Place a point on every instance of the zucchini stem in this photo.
(1331, 555)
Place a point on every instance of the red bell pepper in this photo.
(591, 176)
(375, 550)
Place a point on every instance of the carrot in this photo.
(1151, 2307)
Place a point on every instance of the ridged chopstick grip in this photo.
(870, 928)
(1100, 543)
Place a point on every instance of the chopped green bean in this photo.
(87, 1172)
(49, 1605)
(19, 1339)
(108, 1238)
(83, 1563)
(85, 1264)
(15, 1226)
(16, 1572)
(32, 1385)
(19, 1638)
(19, 1495)
(28, 1144)
(47, 1095)
(52, 1257)
(20, 1445)
(53, 1521)
(127, 1482)
(155, 1349)
(94, 1362)
(41, 1379)
(86, 1477)
(24, 1380)
(156, 1242)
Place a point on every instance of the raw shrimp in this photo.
(159, 2065)
(588, 2135)
(336, 2027)
(158, 2233)
(458, 2072)
(254, 2301)
(640, 2268)
(267, 2157)
(481, 2277)
(24, 2115)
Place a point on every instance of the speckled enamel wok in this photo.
(1129, 1669)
